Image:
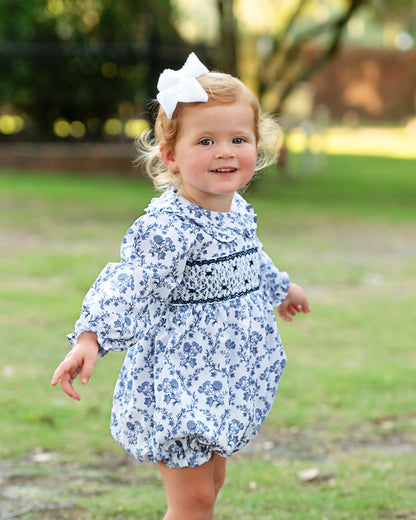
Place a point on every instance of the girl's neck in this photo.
(218, 203)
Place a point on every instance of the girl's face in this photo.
(215, 153)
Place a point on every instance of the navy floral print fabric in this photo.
(192, 300)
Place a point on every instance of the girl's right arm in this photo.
(80, 360)
(129, 296)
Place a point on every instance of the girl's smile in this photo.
(224, 171)
(215, 153)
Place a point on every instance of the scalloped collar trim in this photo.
(224, 226)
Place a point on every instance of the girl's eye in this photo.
(238, 140)
(206, 142)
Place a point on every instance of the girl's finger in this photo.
(67, 386)
(284, 315)
(69, 365)
(86, 371)
(59, 372)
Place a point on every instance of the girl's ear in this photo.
(168, 157)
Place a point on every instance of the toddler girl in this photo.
(192, 298)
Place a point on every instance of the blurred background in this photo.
(84, 71)
(77, 80)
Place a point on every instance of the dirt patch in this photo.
(42, 486)
(315, 446)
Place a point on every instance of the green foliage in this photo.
(81, 61)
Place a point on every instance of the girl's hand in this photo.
(294, 303)
(81, 360)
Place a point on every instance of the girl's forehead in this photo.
(205, 114)
(213, 105)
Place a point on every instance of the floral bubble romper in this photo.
(192, 300)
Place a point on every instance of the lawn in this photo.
(340, 442)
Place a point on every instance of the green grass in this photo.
(346, 232)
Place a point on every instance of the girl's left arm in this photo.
(289, 298)
(295, 302)
(274, 283)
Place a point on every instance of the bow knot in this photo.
(181, 85)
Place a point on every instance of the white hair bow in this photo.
(181, 85)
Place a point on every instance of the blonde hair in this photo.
(222, 89)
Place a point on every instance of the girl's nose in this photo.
(225, 151)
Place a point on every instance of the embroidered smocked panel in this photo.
(219, 279)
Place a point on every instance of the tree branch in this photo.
(293, 54)
(277, 44)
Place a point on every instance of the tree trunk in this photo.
(227, 48)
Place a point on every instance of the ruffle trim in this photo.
(224, 226)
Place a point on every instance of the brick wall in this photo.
(95, 158)
(377, 84)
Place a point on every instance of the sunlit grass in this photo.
(381, 142)
(344, 231)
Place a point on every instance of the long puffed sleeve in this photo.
(127, 299)
(275, 283)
